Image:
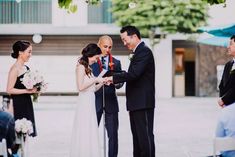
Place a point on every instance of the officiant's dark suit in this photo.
(140, 92)
(227, 84)
(110, 103)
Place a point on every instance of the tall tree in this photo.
(154, 16)
(215, 1)
(72, 8)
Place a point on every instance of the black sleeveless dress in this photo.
(23, 106)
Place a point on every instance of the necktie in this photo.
(103, 62)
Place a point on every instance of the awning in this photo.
(216, 41)
(222, 31)
(220, 35)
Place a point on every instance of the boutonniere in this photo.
(131, 56)
(232, 71)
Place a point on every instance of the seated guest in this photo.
(226, 126)
(7, 131)
(7, 103)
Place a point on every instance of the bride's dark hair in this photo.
(89, 51)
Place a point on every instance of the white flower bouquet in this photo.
(23, 127)
(33, 79)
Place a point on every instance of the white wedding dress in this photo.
(85, 134)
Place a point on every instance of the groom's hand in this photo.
(108, 80)
(221, 103)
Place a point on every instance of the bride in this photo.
(85, 140)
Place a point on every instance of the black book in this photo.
(113, 72)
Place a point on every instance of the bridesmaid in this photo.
(22, 102)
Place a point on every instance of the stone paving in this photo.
(184, 127)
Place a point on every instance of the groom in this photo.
(140, 92)
(108, 103)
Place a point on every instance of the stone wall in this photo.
(208, 58)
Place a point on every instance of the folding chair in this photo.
(223, 144)
(3, 148)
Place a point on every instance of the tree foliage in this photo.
(168, 16)
(72, 8)
(215, 1)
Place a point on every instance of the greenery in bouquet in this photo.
(32, 79)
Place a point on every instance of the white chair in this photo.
(223, 144)
(3, 148)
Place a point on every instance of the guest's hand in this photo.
(221, 103)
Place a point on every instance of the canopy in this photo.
(222, 31)
(221, 35)
(216, 41)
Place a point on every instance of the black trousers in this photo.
(142, 131)
(111, 125)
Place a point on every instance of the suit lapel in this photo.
(138, 48)
(137, 51)
(228, 72)
(96, 69)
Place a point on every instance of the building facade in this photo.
(183, 67)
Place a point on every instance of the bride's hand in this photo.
(107, 81)
(99, 80)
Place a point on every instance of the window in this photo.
(100, 13)
(26, 12)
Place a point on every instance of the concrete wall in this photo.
(58, 71)
(209, 58)
(61, 18)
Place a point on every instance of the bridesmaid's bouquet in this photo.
(33, 79)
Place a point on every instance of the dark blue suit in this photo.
(110, 106)
(140, 95)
